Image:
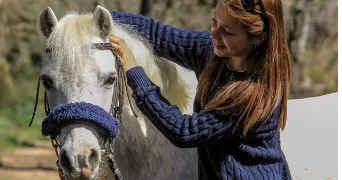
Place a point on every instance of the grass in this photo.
(14, 120)
(16, 113)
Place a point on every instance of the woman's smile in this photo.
(218, 46)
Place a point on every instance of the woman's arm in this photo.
(187, 48)
(183, 130)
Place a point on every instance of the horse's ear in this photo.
(46, 22)
(103, 20)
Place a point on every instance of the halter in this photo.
(107, 149)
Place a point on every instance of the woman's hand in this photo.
(122, 49)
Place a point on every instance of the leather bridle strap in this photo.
(117, 100)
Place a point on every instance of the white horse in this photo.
(75, 72)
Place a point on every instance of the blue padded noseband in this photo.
(73, 113)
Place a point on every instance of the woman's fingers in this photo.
(118, 49)
(122, 49)
(117, 40)
(118, 44)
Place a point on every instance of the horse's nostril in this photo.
(86, 171)
(65, 161)
(94, 157)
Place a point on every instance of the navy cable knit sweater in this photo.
(222, 154)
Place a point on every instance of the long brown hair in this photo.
(269, 82)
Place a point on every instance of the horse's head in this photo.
(79, 82)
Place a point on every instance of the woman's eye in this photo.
(228, 33)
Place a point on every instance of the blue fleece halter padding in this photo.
(79, 112)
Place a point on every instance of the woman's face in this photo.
(229, 37)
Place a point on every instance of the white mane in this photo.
(71, 41)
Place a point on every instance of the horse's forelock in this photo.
(70, 42)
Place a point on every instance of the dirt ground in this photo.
(25, 174)
(38, 163)
(29, 163)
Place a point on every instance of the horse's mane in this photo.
(71, 40)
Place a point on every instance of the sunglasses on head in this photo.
(250, 5)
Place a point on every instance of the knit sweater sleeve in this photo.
(181, 129)
(187, 48)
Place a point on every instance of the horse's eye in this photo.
(110, 80)
(47, 82)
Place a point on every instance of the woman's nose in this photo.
(214, 33)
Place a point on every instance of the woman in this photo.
(243, 69)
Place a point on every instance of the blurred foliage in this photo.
(14, 120)
(312, 26)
